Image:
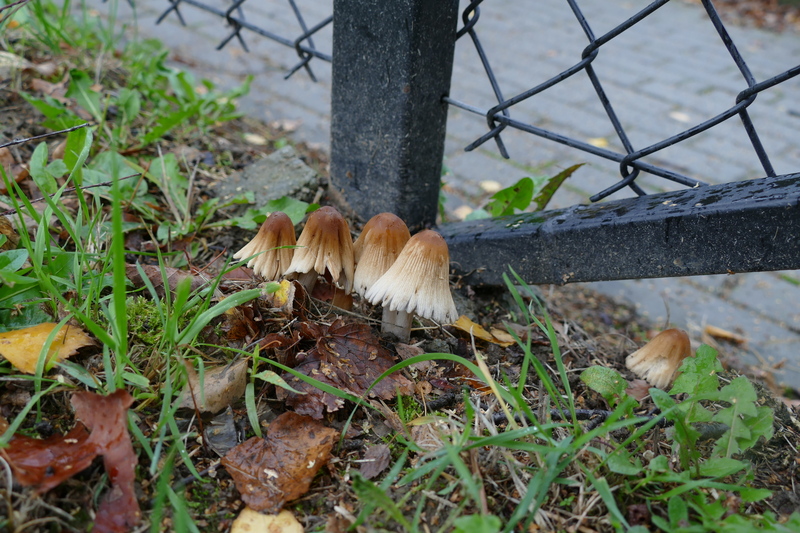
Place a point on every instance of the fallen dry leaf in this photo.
(58, 151)
(502, 335)
(428, 432)
(250, 521)
(107, 419)
(468, 326)
(241, 323)
(221, 387)
(347, 356)
(375, 461)
(46, 463)
(280, 467)
(14, 171)
(638, 389)
(23, 346)
(221, 433)
(7, 229)
(407, 351)
(240, 274)
(153, 273)
(46, 68)
(54, 90)
(724, 334)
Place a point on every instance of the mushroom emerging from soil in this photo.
(272, 247)
(377, 248)
(324, 244)
(417, 282)
(657, 361)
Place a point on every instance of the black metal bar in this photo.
(392, 63)
(748, 226)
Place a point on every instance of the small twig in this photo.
(9, 6)
(43, 135)
(73, 189)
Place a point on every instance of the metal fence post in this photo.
(392, 62)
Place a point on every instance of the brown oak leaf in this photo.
(280, 467)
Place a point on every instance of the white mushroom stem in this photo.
(398, 323)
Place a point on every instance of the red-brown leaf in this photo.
(348, 357)
(107, 418)
(46, 463)
(280, 467)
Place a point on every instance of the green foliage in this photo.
(607, 382)
(477, 523)
(693, 420)
(520, 196)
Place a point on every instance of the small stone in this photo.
(280, 174)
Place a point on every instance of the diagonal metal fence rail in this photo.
(392, 66)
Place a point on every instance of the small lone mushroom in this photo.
(324, 244)
(377, 248)
(657, 361)
(418, 282)
(272, 247)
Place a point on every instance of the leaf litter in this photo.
(348, 357)
(44, 464)
(280, 467)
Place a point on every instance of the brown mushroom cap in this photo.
(657, 361)
(272, 260)
(376, 249)
(325, 244)
(419, 280)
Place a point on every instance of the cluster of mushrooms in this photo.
(386, 265)
(406, 275)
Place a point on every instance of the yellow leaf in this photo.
(250, 521)
(600, 142)
(503, 336)
(23, 346)
(465, 324)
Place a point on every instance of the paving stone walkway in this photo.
(666, 74)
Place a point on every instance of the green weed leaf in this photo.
(169, 121)
(698, 374)
(80, 88)
(129, 102)
(620, 462)
(552, 185)
(369, 492)
(678, 511)
(506, 200)
(57, 168)
(76, 151)
(38, 169)
(605, 381)
(274, 379)
(477, 523)
(721, 467)
(742, 417)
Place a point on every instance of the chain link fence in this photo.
(392, 63)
